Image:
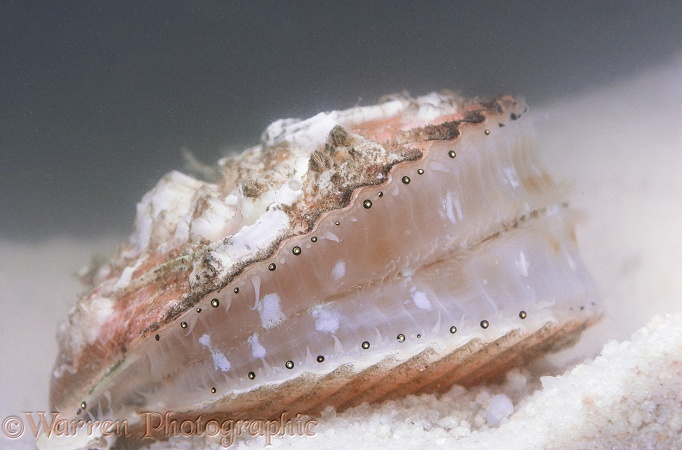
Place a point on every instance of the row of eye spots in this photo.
(366, 345)
(320, 358)
(367, 204)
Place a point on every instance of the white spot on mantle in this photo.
(421, 300)
(257, 350)
(326, 318)
(220, 362)
(270, 311)
(205, 340)
(339, 270)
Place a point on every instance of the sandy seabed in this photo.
(621, 148)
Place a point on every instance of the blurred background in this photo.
(97, 99)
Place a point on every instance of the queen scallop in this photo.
(355, 256)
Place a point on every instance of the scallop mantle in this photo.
(355, 256)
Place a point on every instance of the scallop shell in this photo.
(355, 256)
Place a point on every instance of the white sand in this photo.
(622, 148)
(37, 289)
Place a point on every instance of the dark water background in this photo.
(98, 98)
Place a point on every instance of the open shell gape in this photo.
(355, 256)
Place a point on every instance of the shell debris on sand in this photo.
(356, 256)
